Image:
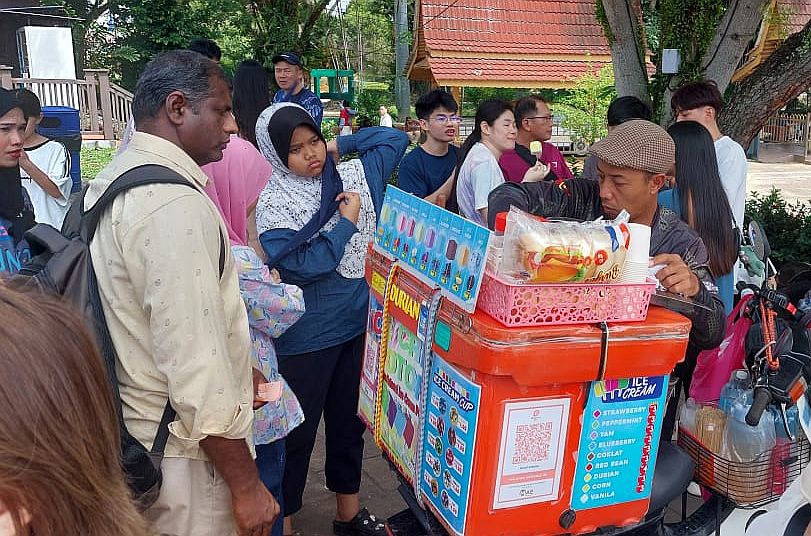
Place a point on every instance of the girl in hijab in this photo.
(234, 187)
(16, 212)
(315, 220)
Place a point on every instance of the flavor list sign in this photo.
(452, 414)
(402, 379)
(619, 441)
(438, 246)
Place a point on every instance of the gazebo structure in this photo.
(788, 17)
(506, 43)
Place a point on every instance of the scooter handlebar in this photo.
(762, 399)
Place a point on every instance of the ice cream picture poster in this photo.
(439, 247)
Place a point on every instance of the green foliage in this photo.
(329, 127)
(689, 25)
(369, 100)
(584, 109)
(787, 225)
(576, 165)
(602, 18)
(94, 160)
(472, 96)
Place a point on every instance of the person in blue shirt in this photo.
(698, 198)
(289, 73)
(427, 171)
(315, 221)
(16, 213)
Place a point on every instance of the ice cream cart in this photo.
(526, 430)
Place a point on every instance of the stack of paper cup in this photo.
(635, 269)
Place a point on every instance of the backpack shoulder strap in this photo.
(138, 176)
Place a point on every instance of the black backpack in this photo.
(61, 265)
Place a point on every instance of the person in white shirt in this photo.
(385, 118)
(44, 167)
(702, 102)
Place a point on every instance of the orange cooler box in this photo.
(530, 430)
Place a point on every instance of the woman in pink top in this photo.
(234, 186)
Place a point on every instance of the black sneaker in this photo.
(363, 524)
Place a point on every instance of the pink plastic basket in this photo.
(550, 304)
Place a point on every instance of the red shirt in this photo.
(515, 163)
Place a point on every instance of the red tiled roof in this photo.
(513, 26)
(534, 73)
(799, 14)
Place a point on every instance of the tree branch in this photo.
(304, 41)
(737, 29)
(783, 76)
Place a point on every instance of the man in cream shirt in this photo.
(178, 325)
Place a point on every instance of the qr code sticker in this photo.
(532, 442)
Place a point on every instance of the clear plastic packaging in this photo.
(744, 443)
(562, 252)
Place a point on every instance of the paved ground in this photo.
(379, 487)
(378, 491)
(777, 168)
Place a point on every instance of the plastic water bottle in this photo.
(746, 442)
(805, 304)
(736, 387)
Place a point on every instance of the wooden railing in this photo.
(785, 128)
(104, 108)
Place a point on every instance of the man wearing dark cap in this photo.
(289, 73)
(633, 162)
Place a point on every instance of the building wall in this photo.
(10, 22)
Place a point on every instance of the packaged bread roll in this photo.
(562, 252)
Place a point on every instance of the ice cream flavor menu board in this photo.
(619, 441)
(440, 247)
(452, 412)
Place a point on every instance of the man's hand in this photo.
(255, 510)
(258, 378)
(675, 275)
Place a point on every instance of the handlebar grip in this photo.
(762, 398)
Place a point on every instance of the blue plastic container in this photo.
(61, 123)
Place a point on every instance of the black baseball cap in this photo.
(288, 57)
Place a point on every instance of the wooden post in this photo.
(5, 77)
(456, 93)
(106, 102)
(92, 99)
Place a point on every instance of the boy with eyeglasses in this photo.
(534, 123)
(427, 171)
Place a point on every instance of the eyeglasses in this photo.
(543, 117)
(442, 119)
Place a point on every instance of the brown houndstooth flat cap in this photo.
(637, 144)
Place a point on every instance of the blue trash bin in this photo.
(61, 123)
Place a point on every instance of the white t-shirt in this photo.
(53, 159)
(478, 176)
(732, 168)
(385, 121)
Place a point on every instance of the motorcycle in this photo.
(782, 372)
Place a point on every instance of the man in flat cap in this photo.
(633, 162)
